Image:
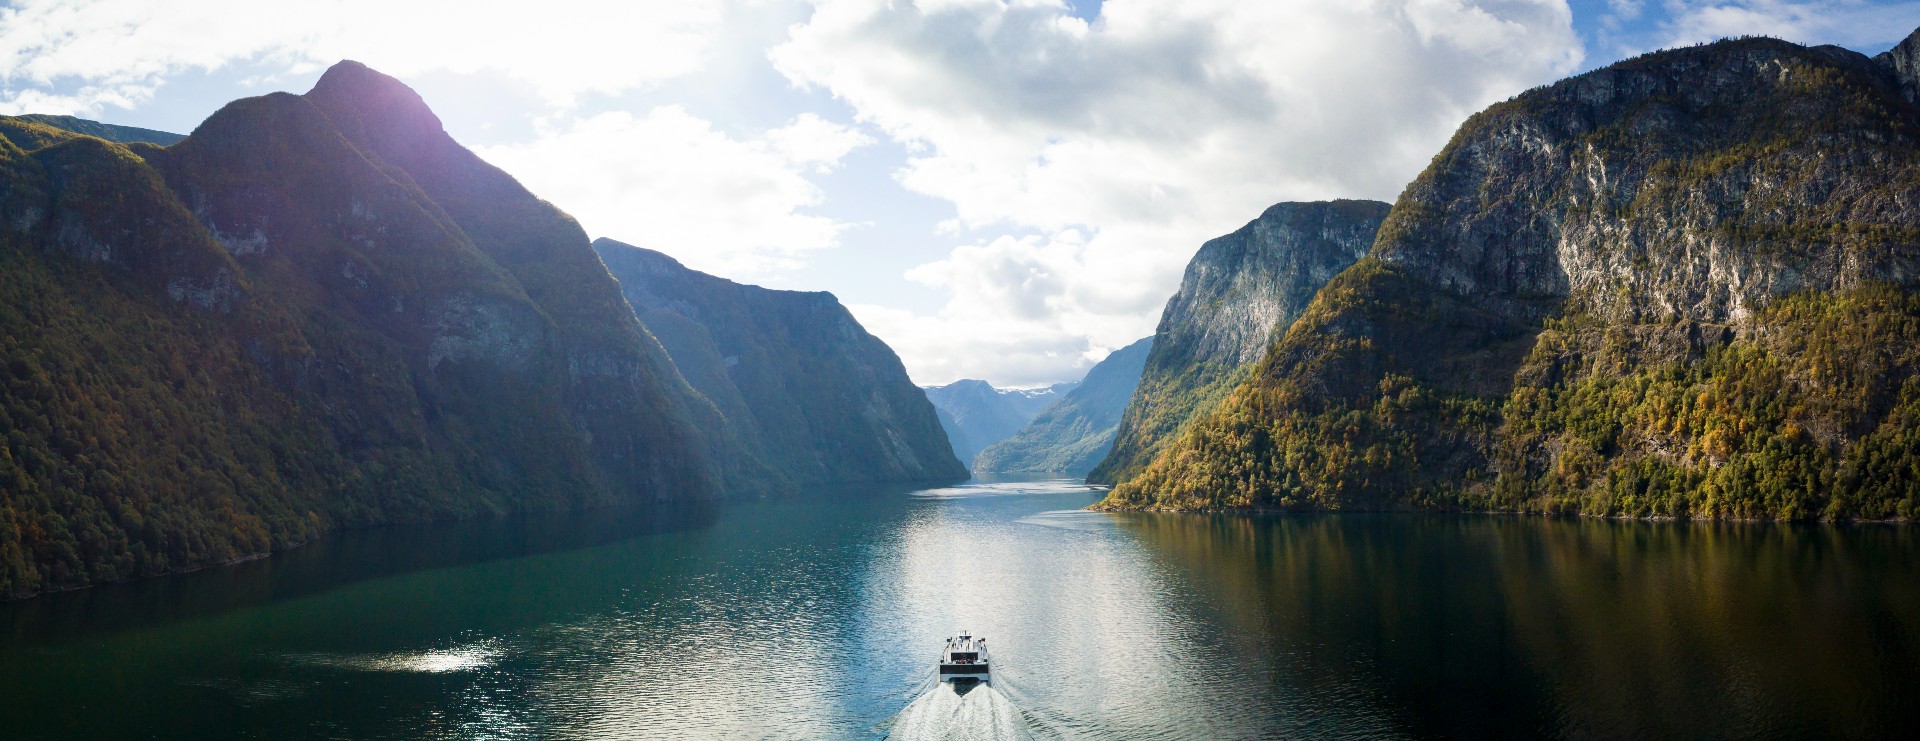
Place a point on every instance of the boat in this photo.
(965, 659)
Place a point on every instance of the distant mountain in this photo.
(1685, 285)
(1075, 432)
(109, 132)
(820, 398)
(317, 311)
(976, 414)
(1240, 291)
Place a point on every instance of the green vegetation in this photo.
(1676, 287)
(306, 317)
(1811, 414)
(1347, 411)
(1239, 294)
(1163, 406)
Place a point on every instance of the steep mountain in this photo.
(316, 311)
(823, 400)
(1239, 292)
(976, 415)
(109, 132)
(1073, 434)
(1678, 286)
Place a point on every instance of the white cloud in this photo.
(1854, 23)
(120, 51)
(817, 142)
(1023, 310)
(1124, 143)
(669, 181)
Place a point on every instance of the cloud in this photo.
(1112, 149)
(1023, 310)
(669, 181)
(1853, 23)
(120, 51)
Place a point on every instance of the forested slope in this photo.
(1678, 286)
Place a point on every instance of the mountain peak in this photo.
(359, 97)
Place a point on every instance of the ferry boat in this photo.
(964, 660)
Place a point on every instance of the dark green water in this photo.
(821, 617)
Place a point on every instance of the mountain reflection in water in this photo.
(822, 616)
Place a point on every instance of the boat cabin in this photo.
(964, 658)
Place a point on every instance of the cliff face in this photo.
(316, 311)
(1677, 286)
(1073, 434)
(807, 387)
(1239, 292)
(976, 415)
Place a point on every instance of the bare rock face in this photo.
(1694, 184)
(1678, 286)
(1239, 293)
(1903, 60)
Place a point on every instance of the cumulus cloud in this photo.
(118, 52)
(669, 181)
(1121, 144)
(1030, 315)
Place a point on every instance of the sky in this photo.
(999, 189)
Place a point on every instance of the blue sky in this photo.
(1000, 189)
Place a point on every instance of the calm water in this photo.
(820, 618)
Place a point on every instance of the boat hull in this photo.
(964, 673)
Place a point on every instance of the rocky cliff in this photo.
(1678, 286)
(820, 398)
(1073, 434)
(1239, 292)
(315, 311)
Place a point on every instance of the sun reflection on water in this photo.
(478, 655)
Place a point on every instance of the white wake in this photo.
(945, 712)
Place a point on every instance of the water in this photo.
(821, 617)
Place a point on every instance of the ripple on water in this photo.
(1071, 519)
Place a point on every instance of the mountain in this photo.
(316, 311)
(1679, 286)
(109, 132)
(819, 397)
(1074, 433)
(1239, 292)
(976, 415)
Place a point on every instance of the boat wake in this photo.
(960, 711)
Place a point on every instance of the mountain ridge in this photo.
(1074, 433)
(314, 312)
(793, 370)
(1238, 292)
(977, 414)
(1677, 286)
